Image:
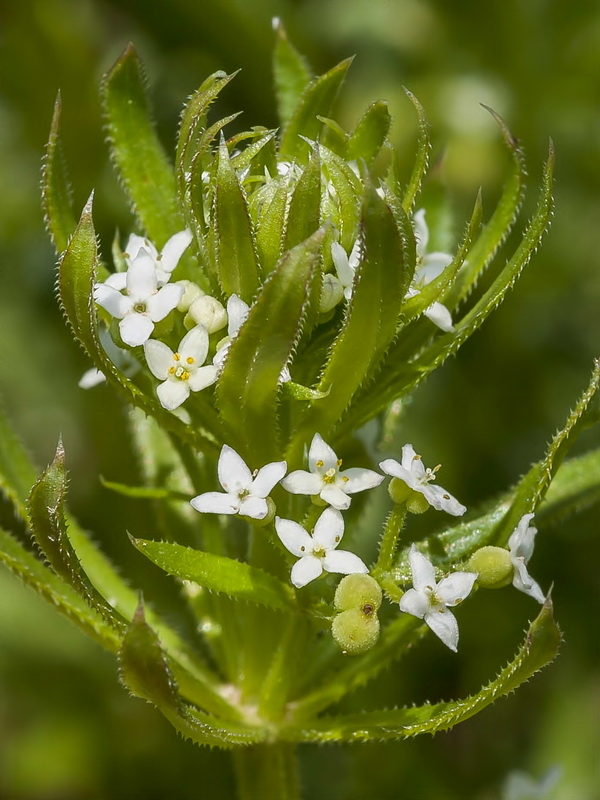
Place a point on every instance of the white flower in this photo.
(419, 479)
(429, 266)
(245, 492)
(317, 552)
(346, 265)
(520, 547)
(165, 261)
(182, 372)
(430, 600)
(237, 314)
(325, 478)
(144, 302)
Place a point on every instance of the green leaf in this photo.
(138, 154)
(17, 473)
(291, 74)
(368, 137)
(145, 672)
(49, 525)
(219, 574)
(234, 236)
(421, 158)
(304, 216)
(540, 648)
(144, 492)
(271, 222)
(56, 591)
(317, 99)
(249, 384)
(576, 486)
(76, 278)
(57, 194)
(349, 191)
(371, 316)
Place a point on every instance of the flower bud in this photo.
(493, 565)
(191, 291)
(207, 311)
(332, 292)
(355, 632)
(358, 591)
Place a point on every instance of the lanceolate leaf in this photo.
(576, 486)
(249, 384)
(140, 159)
(75, 281)
(56, 189)
(291, 74)
(304, 215)
(540, 648)
(271, 224)
(317, 99)
(56, 591)
(369, 135)
(421, 158)
(17, 473)
(218, 573)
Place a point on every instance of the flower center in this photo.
(329, 476)
(178, 370)
(140, 308)
(319, 551)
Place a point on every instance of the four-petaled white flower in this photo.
(182, 372)
(419, 479)
(318, 552)
(429, 266)
(325, 478)
(520, 547)
(245, 492)
(346, 265)
(144, 303)
(237, 314)
(430, 600)
(165, 261)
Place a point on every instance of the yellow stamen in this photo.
(171, 370)
(176, 357)
(319, 464)
(189, 360)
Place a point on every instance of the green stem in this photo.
(389, 540)
(267, 772)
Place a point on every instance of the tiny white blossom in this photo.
(430, 601)
(418, 478)
(144, 303)
(182, 372)
(318, 552)
(520, 548)
(165, 261)
(245, 491)
(327, 480)
(237, 314)
(346, 265)
(429, 266)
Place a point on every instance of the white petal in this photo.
(440, 316)
(91, 377)
(415, 603)
(302, 482)
(423, 573)
(135, 329)
(305, 571)
(294, 537)
(254, 507)
(455, 587)
(443, 623)
(345, 562)
(113, 301)
(523, 581)
(357, 479)
(441, 500)
(135, 243)
(329, 529)
(172, 393)
(432, 266)
(522, 539)
(118, 281)
(215, 503)
(332, 292)
(141, 278)
(421, 231)
(321, 452)
(164, 301)
(233, 471)
(355, 254)
(267, 477)
(194, 345)
(342, 264)
(159, 358)
(335, 496)
(412, 462)
(174, 249)
(202, 377)
(237, 313)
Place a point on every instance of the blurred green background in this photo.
(67, 728)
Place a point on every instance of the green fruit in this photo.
(356, 592)
(493, 565)
(354, 631)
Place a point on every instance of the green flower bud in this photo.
(260, 523)
(493, 565)
(354, 631)
(207, 311)
(358, 591)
